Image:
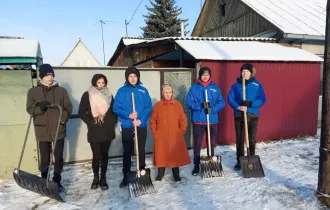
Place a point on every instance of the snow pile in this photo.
(291, 169)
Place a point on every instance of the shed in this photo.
(20, 51)
(290, 77)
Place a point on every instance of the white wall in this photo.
(77, 81)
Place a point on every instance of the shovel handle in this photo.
(208, 126)
(136, 141)
(245, 118)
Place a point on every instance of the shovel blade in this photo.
(211, 166)
(37, 184)
(251, 167)
(139, 186)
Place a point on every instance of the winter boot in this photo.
(195, 171)
(237, 167)
(95, 183)
(161, 172)
(57, 179)
(176, 174)
(44, 174)
(103, 183)
(123, 183)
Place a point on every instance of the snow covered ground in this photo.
(291, 169)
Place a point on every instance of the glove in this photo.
(205, 105)
(207, 110)
(247, 103)
(44, 105)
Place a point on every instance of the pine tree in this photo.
(163, 19)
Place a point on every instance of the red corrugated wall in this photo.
(292, 91)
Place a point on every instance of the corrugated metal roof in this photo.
(305, 17)
(244, 50)
(20, 48)
(137, 40)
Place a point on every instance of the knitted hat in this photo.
(132, 70)
(45, 69)
(166, 87)
(204, 70)
(247, 66)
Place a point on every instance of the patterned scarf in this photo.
(100, 100)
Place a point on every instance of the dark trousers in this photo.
(199, 131)
(128, 146)
(240, 135)
(100, 153)
(45, 149)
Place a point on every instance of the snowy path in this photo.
(291, 169)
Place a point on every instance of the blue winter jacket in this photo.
(123, 107)
(195, 98)
(254, 93)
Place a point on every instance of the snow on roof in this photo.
(244, 50)
(20, 48)
(131, 41)
(305, 17)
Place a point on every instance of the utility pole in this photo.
(103, 41)
(126, 28)
(323, 188)
(103, 22)
(128, 22)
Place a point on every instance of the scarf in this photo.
(100, 100)
(204, 83)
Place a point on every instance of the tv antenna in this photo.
(103, 22)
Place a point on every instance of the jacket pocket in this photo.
(41, 131)
(40, 120)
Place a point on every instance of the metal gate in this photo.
(181, 82)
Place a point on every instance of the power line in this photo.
(126, 23)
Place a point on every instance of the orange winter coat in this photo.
(168, 124)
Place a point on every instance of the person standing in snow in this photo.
(45, 120)
(196, 102)
(255, 98)
(123, 107)
(95, 109)
(168, 124)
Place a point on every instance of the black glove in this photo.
(206, 105)
(44, 105)
(207, 110)
(247, 103)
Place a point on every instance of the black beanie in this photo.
(247, 66)
(45, 69)
(204, 70)
(132, 70)
(96, 77)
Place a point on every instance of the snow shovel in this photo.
(210, 165)
(33, 182)
(250, 164)
(139, 181)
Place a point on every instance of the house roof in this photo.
(245, 50)
(76, 52)
(19, 51)
(227, 48)
(131, 41)
(303, 17)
